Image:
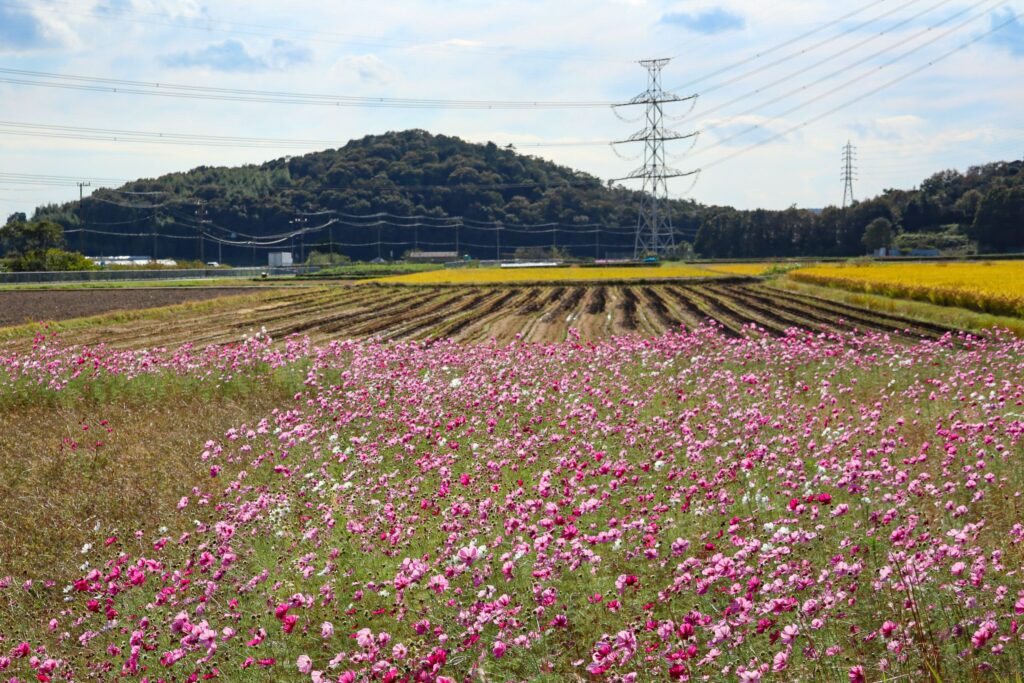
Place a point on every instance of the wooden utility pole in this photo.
(201, 214)
(81, 219)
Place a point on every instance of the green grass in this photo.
(116, 453)
(360, 271)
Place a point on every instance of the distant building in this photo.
(532, 264)
(924, 252)
(886, 251)
(279, 259)
(432, 256)
(105, 261)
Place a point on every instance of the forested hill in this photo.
(372, 187)
(386, 194)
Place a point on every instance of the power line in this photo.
(763, 53)
(43, 176)
(160, 89)
(120, 135)
(849, 103)
(846, 84)
(115, 135)
(828, 41)
(27, 129)
(459, 222)
(830, 58)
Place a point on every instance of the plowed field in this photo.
(33, 305)
(480, 313)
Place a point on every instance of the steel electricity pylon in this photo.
(849, 173)
(654, 233)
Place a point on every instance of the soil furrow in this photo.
(598, 299)
(627, 307)
(712, 310)
(482, 317)
(657, 304)
(882, 321)
(793, 314)
(428, 318)
(765, 319)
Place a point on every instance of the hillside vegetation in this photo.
(390, 193)
(405, 174)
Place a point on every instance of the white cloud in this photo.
(366, 69)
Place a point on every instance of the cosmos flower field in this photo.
(690, 507)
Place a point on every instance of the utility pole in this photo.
(201, 216)
(654, 233)
(81, 219)
(302, 236)
(457, 224)
(497, 243)
(849, 173)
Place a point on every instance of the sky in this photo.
(916, 86)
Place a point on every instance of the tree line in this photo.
(416, 174)
(981, 209)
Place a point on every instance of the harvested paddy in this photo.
(475, 313)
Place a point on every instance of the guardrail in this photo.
(143, 275)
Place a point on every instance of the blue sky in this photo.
(963, 110)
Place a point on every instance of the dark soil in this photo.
(17, 307)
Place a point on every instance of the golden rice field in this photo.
(483, 276)
(990, 287)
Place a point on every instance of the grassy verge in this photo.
(951, 316)
(112, 460)
(362, 271)
(542, 276)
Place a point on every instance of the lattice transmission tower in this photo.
(849, 173)
(654, 232)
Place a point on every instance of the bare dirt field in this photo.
(35, 305)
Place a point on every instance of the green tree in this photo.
(21, 237)
(50, 260)
(967, 206)
(999, 222)
(878, 234)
